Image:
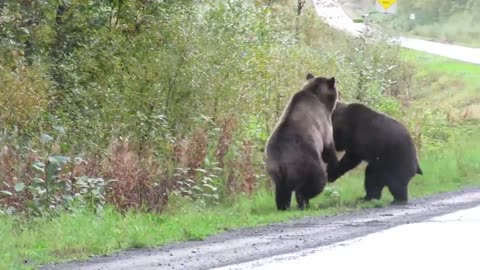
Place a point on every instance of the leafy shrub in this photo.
(47, 185)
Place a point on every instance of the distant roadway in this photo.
(332, 13)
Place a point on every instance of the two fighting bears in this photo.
(301, 151)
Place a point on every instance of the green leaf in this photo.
(210, 187)
(52, 170)
(38, 180)
(60, 129)
(45, 138)
(59, 159)
(11, 210)
(39, 166)
(78, 160)
(64, 147)
(19, 187)
(68, 198)
(25, 30)
(6, 192)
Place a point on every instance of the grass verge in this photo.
(446, 84)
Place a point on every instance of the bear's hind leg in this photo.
(301, 201)
(373, 182)
(315, 186)
(399, 193)
(282, 197)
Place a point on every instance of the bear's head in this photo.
(324, 89)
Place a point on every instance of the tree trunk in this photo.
(2, 5)
(300, 5)
(56, 53)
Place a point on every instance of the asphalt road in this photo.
(239, 246)
(465, 54)
(332, 13)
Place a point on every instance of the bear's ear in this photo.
(310, 76)
(331, 82)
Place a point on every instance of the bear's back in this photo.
(375, 134)
(361, 116)
(301, 126)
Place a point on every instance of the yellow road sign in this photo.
(386, 4)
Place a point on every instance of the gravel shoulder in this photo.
(249, 244)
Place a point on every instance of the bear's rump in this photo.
(305, 175)
(395, 166)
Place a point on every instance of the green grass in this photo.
(76, 236)
(447, 84)
(442, 64)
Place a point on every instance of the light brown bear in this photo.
(301, 142)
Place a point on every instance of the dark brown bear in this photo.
(381, 141)
(301, 142)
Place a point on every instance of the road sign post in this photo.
(386, 6)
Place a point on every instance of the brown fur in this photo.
(301, 142)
